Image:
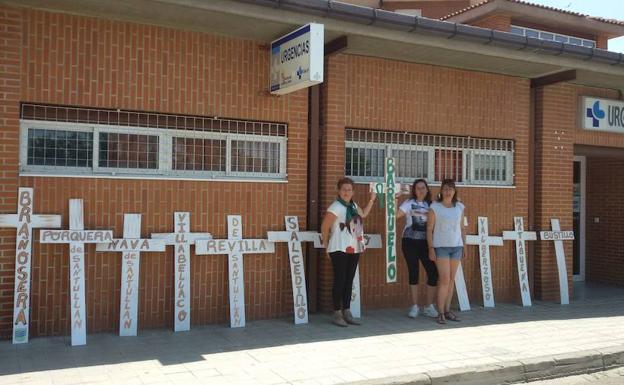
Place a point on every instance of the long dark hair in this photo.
(427, 197)
(449, 183)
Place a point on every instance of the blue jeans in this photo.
(449, 252)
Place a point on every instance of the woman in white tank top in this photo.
(446, 237)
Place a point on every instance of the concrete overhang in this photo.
(370, 33)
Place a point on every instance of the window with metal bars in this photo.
(81, 143)
(469, 161)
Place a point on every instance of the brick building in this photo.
(153, 107)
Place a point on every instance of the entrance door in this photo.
(578, 197)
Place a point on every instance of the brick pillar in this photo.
(555, 122)
(333, 117)
(10, 66)
(602, 41)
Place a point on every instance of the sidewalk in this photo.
(508, 341)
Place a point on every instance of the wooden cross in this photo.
(371, 241)
(131, 246)
(558, 237)
(520, 237)
(235, 247)
(76, 237)
(294, 237)
(25, 221)
(182, 239)
(484, 241)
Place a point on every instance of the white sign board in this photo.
(602, 114)
(297, 59)
(76, 237)
(521, 236)
(131, 246)
(235, 247)
(294, 237)
(182, 239)
(484, 241)
(558, 237)
(25, 220)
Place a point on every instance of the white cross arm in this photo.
(519, 236)
(38, 221)
(557, 235)
(491, 241)
(82, 236)
(132, 245)
(191, 238)
(400, 189)
(371, 241)
(287, 236)
(233, 246)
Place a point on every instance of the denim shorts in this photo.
(449, 252)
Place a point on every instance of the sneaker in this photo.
(430, 311)
(348, 317)
(413, 313)
(338, 319)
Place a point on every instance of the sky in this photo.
(611, 9)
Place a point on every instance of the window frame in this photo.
(568, 38)
(469, 155)
(165, 153)
(467, 159)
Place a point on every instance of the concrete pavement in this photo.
(504, 344)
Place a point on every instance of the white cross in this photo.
(294, 237)
(391, 190)
(76, 237)
(25, 220)
(235, 247)
(484, 241)
(371, 241)
(558, 237)
(131, 246)
(520, 237)
(182, 239)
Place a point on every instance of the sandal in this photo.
(451, 316)
(441, 320)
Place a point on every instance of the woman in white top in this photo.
(446, 237)
(414, 245)
(342, 232)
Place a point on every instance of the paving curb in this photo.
(514, 372)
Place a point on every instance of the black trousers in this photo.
(415, 250)
(344, 271)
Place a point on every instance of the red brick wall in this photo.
(605, 244)
(499, 22)
(388, 95)
(553, 172)
(74, 60)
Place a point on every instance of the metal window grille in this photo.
(468, 160)
(199, 154)
(70, 140)
(60, 148)
(131, 151)
(544, 35)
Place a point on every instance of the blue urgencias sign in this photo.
(602, 114)
(297, 59)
